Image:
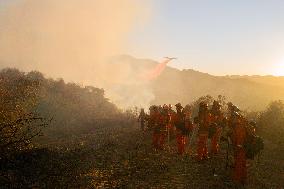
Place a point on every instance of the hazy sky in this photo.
(215, 36)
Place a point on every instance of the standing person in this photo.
(194, 133)
(153, 121)
(204, 118)
(142, 119)
(170, 127)
(232, 110)
(239, 136)
(179, 121)
(188, 124)
(163, 123)
(218, 120)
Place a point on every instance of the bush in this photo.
(19, 123)
(271, 122)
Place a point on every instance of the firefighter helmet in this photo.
(178, 105)
(187, 107)
(165, 106)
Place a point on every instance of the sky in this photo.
(220, 37)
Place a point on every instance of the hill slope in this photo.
(173, 85)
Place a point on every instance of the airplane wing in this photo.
(171, 58)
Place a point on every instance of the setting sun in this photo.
(279, 69)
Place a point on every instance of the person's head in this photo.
(187, 108)
(165, 107)
(229, 104)
(178, 107)
(236, 108)
(252, 123)
(160, 108)
(216, 105)
(203, 107)
(216, 108)
(153, 108)
(236, 117)
(253, 126)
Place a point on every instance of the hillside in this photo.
(90, 143)
(73, 109)
(173, 85)
(267, 79)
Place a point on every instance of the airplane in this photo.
(170, 58)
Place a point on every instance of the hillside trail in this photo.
(126, 159)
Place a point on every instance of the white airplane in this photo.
(170, 58)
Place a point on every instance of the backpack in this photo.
(212, 130)
(253, 146)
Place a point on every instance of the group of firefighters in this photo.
(210, 123)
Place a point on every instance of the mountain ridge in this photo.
(185, 86)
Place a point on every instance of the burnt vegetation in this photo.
(55, 134)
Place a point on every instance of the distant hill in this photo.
(73, 108)
(173, 85)
(267, 79)
(125, 87)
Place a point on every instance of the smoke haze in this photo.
(72, 39)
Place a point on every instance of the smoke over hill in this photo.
(70, 39)
(173, 85)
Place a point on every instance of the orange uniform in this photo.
(204, 122)
(162, 128)
(218, 119)
(181, 142)
(215, 148)
(170, 125)
(239, 137)
(180, 135)
(159, 120)
(154, 119)
(189, 126)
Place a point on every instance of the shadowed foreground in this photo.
(122, 157)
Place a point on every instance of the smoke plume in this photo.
(154, 73)
(72, 39)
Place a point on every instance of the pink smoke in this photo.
(155, 72)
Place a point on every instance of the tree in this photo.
(271, 121)
(19, 123)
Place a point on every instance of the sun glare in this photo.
(279, 70)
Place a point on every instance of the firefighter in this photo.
(231, 119)
(204, 119)
(179, 122)
(239, 136)
(218, 119)
(232, 109)
(150, 117)
(188, 123)
(153, 121)
(170, 127)
(142, 119)
(163, 123)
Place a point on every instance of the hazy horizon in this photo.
(74, 40)
(219, 38)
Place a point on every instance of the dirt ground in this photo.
(128, 161)
(122, 157)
